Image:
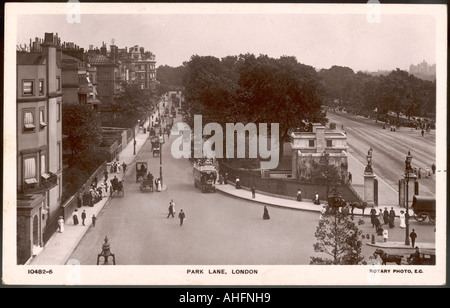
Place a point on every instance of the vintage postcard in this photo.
(223, 144)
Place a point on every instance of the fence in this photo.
(285, 187)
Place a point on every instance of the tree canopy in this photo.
(81, 124)
(338, 238)
(131, 104)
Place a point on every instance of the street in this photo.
(389, 148)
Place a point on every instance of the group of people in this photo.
(172, 211)
(75, 220)
(116, 166)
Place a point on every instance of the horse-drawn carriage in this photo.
(141, 169)
(155, 146)
(116, 187)
(146, 182)
(423, 207)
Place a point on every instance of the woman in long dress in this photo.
(159, 185)
(61, 224)
(402, 220)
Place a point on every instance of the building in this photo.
(39, 143)
(79, 79)
(142, 67)
(310, 146)
(110, 76)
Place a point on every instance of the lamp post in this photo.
(408, 169)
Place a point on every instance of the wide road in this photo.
(389, 148)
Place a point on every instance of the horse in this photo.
(358, 205)
(387, 257)
(336, 201)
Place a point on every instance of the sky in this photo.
(319, 40)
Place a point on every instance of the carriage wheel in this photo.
(420, 217)
(432, 218)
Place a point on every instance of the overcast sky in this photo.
(319, 40)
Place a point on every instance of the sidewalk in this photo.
(61, 245)
(388, 197)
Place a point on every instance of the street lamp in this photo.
(408, 169)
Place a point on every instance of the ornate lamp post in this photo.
(106, 252)
(408, 170)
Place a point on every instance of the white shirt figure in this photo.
(61, 224)
(118, 167)
(402, 220)
(385, 235)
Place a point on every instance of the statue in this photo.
(368, 168)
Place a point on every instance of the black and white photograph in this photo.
(225, 144)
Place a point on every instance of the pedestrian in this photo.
(75, 217)
(94, 219)
(386, 216)
(299, 195)
(385, 235)
(118, 167)
(422, 132)
(380, 216)
(225, 178)
(171, 209)
(253, 192)
(80, 200)
(182, 217)
(238, 183)
(419, 173)
(349, 177)
(159, 185)
(124, 166)
(220, 179)
(105, 173)
(316, 198)
(83, 216)
(373, 216)
(402, 219)
(392, 218)
(413, 236)
(433, 168)
(266, 213)
(105, 184)
(61, 224)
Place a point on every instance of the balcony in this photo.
(48, 181)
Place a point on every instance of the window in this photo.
(311, 143)
(58, 111)
(28, 121)
(27, 87)
(42, 118)
(30, 170)
(44, 173)
(58, 84)
(41, 87)
(329, 143)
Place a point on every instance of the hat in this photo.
(60, 217)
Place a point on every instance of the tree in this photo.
(280, 91)
(324, 173)
(81, 124)
(131, 104)
(339, 237)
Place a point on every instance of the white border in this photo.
(176, 275)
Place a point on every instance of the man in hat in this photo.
(83, 216)
(386, 216)
(182, 216)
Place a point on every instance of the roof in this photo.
(30, 58)
(97, 59)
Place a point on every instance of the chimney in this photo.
(52, 55)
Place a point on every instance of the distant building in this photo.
(423, 70)
(310, 146)
(39, 143)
